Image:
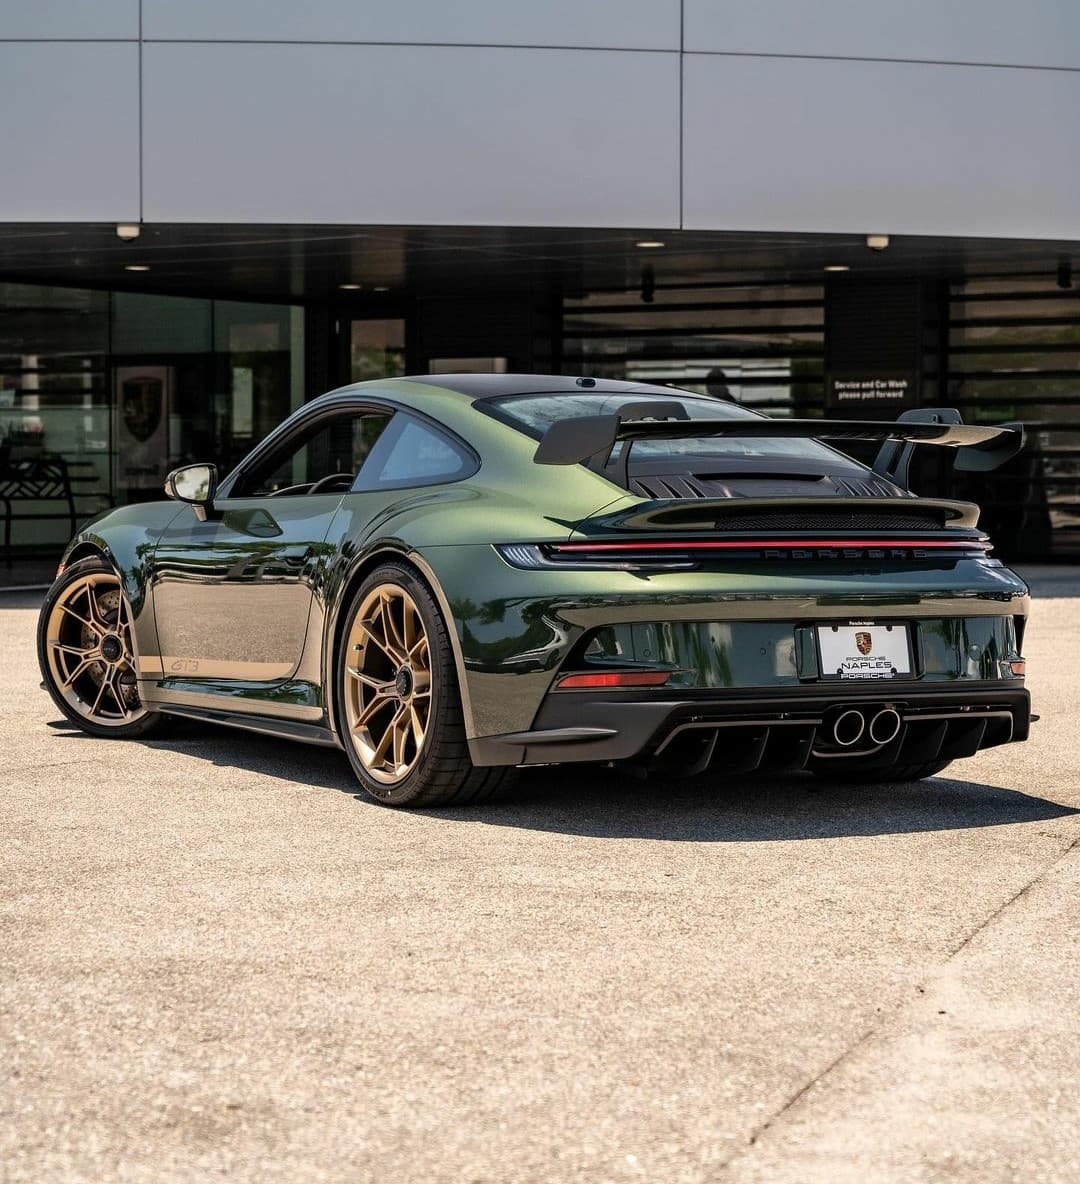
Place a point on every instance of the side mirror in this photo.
(194, 484)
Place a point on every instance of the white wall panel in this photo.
(1018, 32)
(70, 143)
(313, 133)
(97, 19)
(790, 144)
(615, 24)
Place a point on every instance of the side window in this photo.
(411, 452)
(336, 446)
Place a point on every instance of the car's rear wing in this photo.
(572, 441)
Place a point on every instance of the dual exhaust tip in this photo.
(880, 727)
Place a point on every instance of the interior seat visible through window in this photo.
(334, 447)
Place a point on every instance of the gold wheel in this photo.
(90, 652)
(387, 684)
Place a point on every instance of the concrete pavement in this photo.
(217, 962)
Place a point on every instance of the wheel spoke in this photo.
(394, 639)
(66, 608)
(417, 726)
(369, 633)
(380, 686)
(413, 630)
(110, 681)
(82, 651)
(80, 669)
(96, 615)
(401, 734)
(387, 740)
(98, 697)
(369, 711)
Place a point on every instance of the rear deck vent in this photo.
(668, 487)
(864, 487)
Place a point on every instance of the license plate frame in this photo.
(842, 656)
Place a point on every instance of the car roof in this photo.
(488, 386)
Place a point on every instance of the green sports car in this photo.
(452, 576)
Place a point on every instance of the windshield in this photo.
(534, 414)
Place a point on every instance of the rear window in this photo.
(534, 414)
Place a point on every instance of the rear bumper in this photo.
(747, 730)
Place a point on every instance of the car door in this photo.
(232, 594)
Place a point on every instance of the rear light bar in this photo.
(758, 544)
(647, 556)
(613, 678)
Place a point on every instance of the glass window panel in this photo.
(414, 453)
(147, 324)
(54, 407)
(376, 349)
(335, 446)
(536, 413)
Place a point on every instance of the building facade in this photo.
(212, 212)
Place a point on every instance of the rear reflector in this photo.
(1019, 667)
(614, 678)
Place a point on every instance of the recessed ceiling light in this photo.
(349, 287)
(136, 266)
(837, 267)
(128, 231)
(381, 288)
(647, 244)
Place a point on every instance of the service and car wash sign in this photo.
(883, 389)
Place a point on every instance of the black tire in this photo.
(143, 721)
(885, 775)
(443, 774)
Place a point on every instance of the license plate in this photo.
(864, 651)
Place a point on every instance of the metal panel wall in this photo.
(70, 143)
(1011, 32)
(606, 24)
(802, 144)
(412, 134)
(101, 20)
(840, 115)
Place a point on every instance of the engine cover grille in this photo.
(831, 520)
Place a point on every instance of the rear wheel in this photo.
(86, 650)
(401, 715)
(880, 776)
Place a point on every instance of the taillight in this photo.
(613, 678)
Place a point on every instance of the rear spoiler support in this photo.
(893, 461)
(981, 449)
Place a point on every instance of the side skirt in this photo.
(284, 729)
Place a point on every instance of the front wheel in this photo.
(86, 651)
(401, 716)
(884, 775)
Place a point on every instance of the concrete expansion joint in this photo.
(889, 1018)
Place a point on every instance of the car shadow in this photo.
(609, 803)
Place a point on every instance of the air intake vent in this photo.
(668, 486)
(864, 487)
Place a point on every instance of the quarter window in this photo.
(411, 452)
